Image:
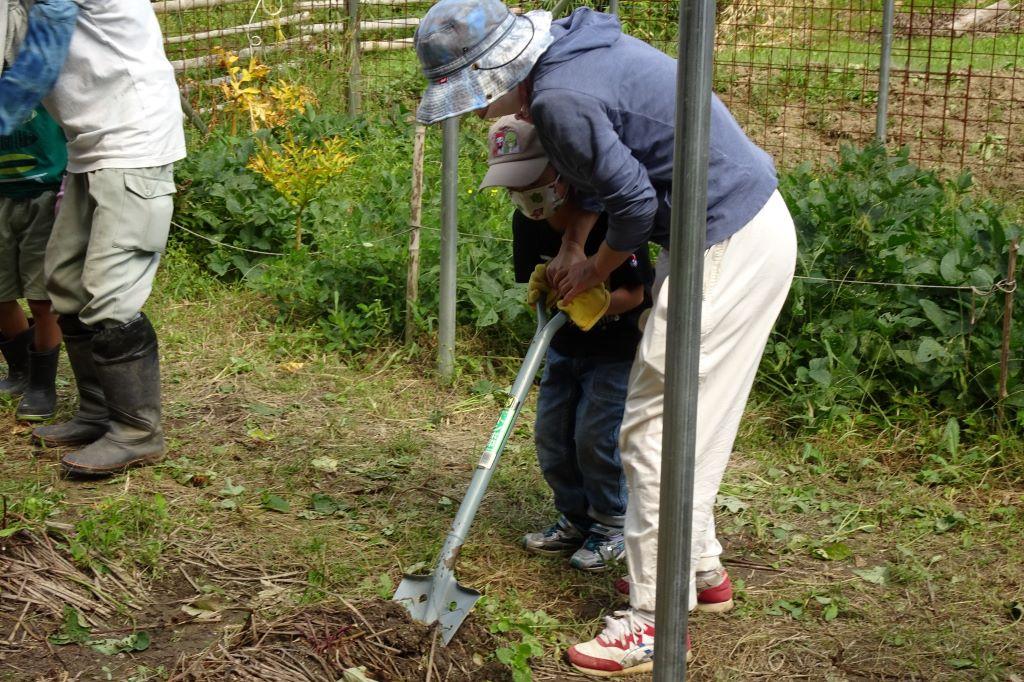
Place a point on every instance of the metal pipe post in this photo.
(354, 96)
(449, 239)
(613, 7)
(685, 283)
(888, 13)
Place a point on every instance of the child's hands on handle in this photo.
(538, 286)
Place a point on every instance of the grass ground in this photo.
(299, 487)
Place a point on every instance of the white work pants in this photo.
(746, 280)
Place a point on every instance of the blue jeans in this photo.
(579, 411)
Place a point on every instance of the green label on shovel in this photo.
(497, 439)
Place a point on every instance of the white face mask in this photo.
(509, 103)
(539, 203)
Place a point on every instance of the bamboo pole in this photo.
(385, 45)
(234, 30)
(1004, 355)
(171, 6)
(244, 53)
(412, 282)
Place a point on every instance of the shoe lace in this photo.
(620, 625)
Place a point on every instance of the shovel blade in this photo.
(432, 601)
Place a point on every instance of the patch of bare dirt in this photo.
(319, 644)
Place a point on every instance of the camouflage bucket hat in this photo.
(474, 51)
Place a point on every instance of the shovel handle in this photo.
(546, 329)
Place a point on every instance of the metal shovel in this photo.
(438, 597)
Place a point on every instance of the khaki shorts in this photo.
(25, 226)
(106, 244)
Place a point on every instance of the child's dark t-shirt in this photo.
(614, 337)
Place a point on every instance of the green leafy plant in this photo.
(842, 347)
(535, 630)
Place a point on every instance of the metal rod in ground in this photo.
(1004, 354)
(686, 265)
(882, 120)
(613, 7)
(354, 98)
(449, 237)
(412, 280)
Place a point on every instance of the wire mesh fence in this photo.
(801, 76)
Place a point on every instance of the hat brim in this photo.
(506, 65)
(514, 173)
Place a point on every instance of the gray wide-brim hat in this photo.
(474, 51)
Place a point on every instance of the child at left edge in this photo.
(583, 389)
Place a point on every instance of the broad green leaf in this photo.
(928, 350)
(876, 575)
(836, 551)
(936, 316)
(949, 268)
(276, 503)
(72, 629)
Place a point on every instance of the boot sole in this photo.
(34, 417)
(78, 470)
(47, 441)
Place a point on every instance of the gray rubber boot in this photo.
(90, 421)
(39, 401)
(15, 352)
(128, 367)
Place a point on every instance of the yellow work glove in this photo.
(538, 286)
(589, 307)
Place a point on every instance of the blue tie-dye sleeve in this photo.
(39, 61)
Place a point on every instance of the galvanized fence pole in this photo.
(449, 238)
(354, 95)
(613, 7)
(689, 227)
(888, 14)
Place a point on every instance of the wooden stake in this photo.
(412, 282)
(1004, 355)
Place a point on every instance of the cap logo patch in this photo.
(505, 142)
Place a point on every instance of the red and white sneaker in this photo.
(625, 647)
(714, 591)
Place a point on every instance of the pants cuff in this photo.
(642, 596)
(708, 563)
(614, 521)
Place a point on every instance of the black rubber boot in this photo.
(39, 401)
(15, 352)
(128, 367)
(90, 421)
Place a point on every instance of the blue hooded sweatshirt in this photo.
(604, 107)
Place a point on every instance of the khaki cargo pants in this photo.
(107, 240)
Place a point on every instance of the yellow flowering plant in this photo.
(247, 92)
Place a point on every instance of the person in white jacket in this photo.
(117, 101)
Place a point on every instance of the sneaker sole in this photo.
(635, 670)
(719, 607)
(603, 567)
(550, 552)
